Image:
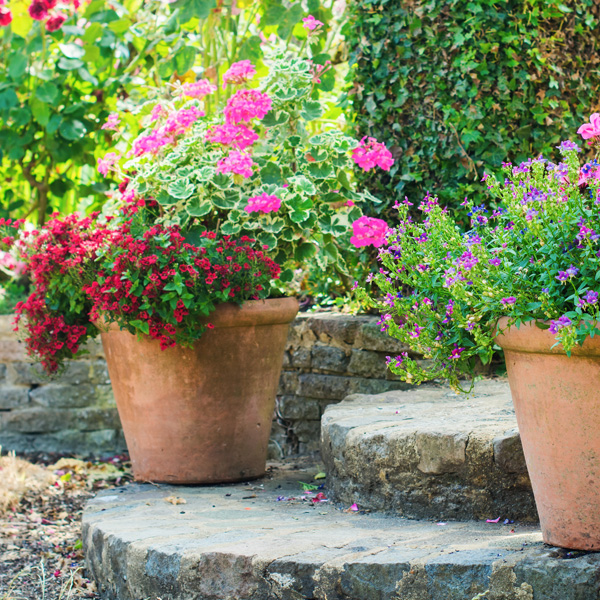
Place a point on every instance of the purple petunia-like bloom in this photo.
(556, 326)
(496, 262)
(570, 272)
(567, 145)
(591, 297)
(508, 300)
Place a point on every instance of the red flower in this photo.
(38, 10)
(55, 23)
(5, 16)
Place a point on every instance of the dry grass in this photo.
(18, 478)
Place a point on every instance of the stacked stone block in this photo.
(328, 356)
(73, 413)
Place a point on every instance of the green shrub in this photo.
(460, 86)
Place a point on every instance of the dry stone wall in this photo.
(328, 356)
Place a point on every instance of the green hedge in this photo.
(457, 86)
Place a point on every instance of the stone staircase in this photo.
(450, 463)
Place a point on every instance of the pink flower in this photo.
(239, 72)
(238, 163)
(5, 16)
(371, 154)
(199, 89)
(367, 231)
(263, 203)
(152, 142)
(246, 105)
(237, 136)
(38, 10)
(112, 122)
(157, 112)
(311, 23)
(179, 121)
(107, 163)
(591, 129)
(55, 22)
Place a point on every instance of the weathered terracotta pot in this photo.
(557, 404)
(202, 414)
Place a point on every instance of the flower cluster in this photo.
(263, 203)
(239, 137)
(371, 154)
(50, 12)
(238, 163)
(198, 89)
(144, 277)
(368, 231)
(246, 105)
(239, 73)
(534, 257)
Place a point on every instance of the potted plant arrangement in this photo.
(185, 276)
(526, 277)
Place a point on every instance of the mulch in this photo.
(41, 554)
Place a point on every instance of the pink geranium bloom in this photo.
(591, 129)
(55, 22)
(263, 203)
(372, 153)
(239, 72)
(108, 162)
(179, 121)
(237, 136)
(246, 105)
(112, 122)
(151, 143)
(38, 10)
(311, 23)
(368, 231)
(157, 112)
(238, 163)
(199, 89)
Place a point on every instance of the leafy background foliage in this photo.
(458, 86)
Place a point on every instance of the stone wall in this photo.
(74, 413)
(328, 356)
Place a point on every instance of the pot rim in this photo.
(271, 311)
(529, 338)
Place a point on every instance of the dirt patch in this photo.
(41, 502)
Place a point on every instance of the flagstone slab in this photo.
(429, 453)
(262, 541)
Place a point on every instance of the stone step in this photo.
(252, 542)
(429, 453)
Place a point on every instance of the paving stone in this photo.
(238, 542)
(429, 453)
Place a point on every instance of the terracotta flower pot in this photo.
(557, 404)
(202, 414)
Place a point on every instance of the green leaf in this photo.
(302, 184)
(8, 99)
(271, 174)
(92, 33)
(311, 110)
(40, 111)
(72, 130)
(69, 64)
(184, 59)
(299, 216)
(72, 50)
(305, 251)
(230, 228)
(47, 92)
(198, 209)
(194, 8)
(17, 65)
(320, 170)
(275, 117)
(180, 189)
(120, 26)
(141, 325)
(267, 239)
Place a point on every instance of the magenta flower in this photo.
(151, 143)
(246, 105)
(556, 326)
(368, 231)
(311, 23)
(236, 136)
(55, 22)
(371, 154)
(263, 203)
(157, 112)
(496, 262)
(199, 89)
(108, 162)
(38, 10)
(5, 16)
(239, 72)
(179, 121)
(591, 129)
(112, 122)
(508, 300)
(238, 163)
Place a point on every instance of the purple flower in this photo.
(508, 300)
(556, 326)
(545, 290)
(591, 297)
(496, 262)
(417, 332)
(567, 145)
(572, 271)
